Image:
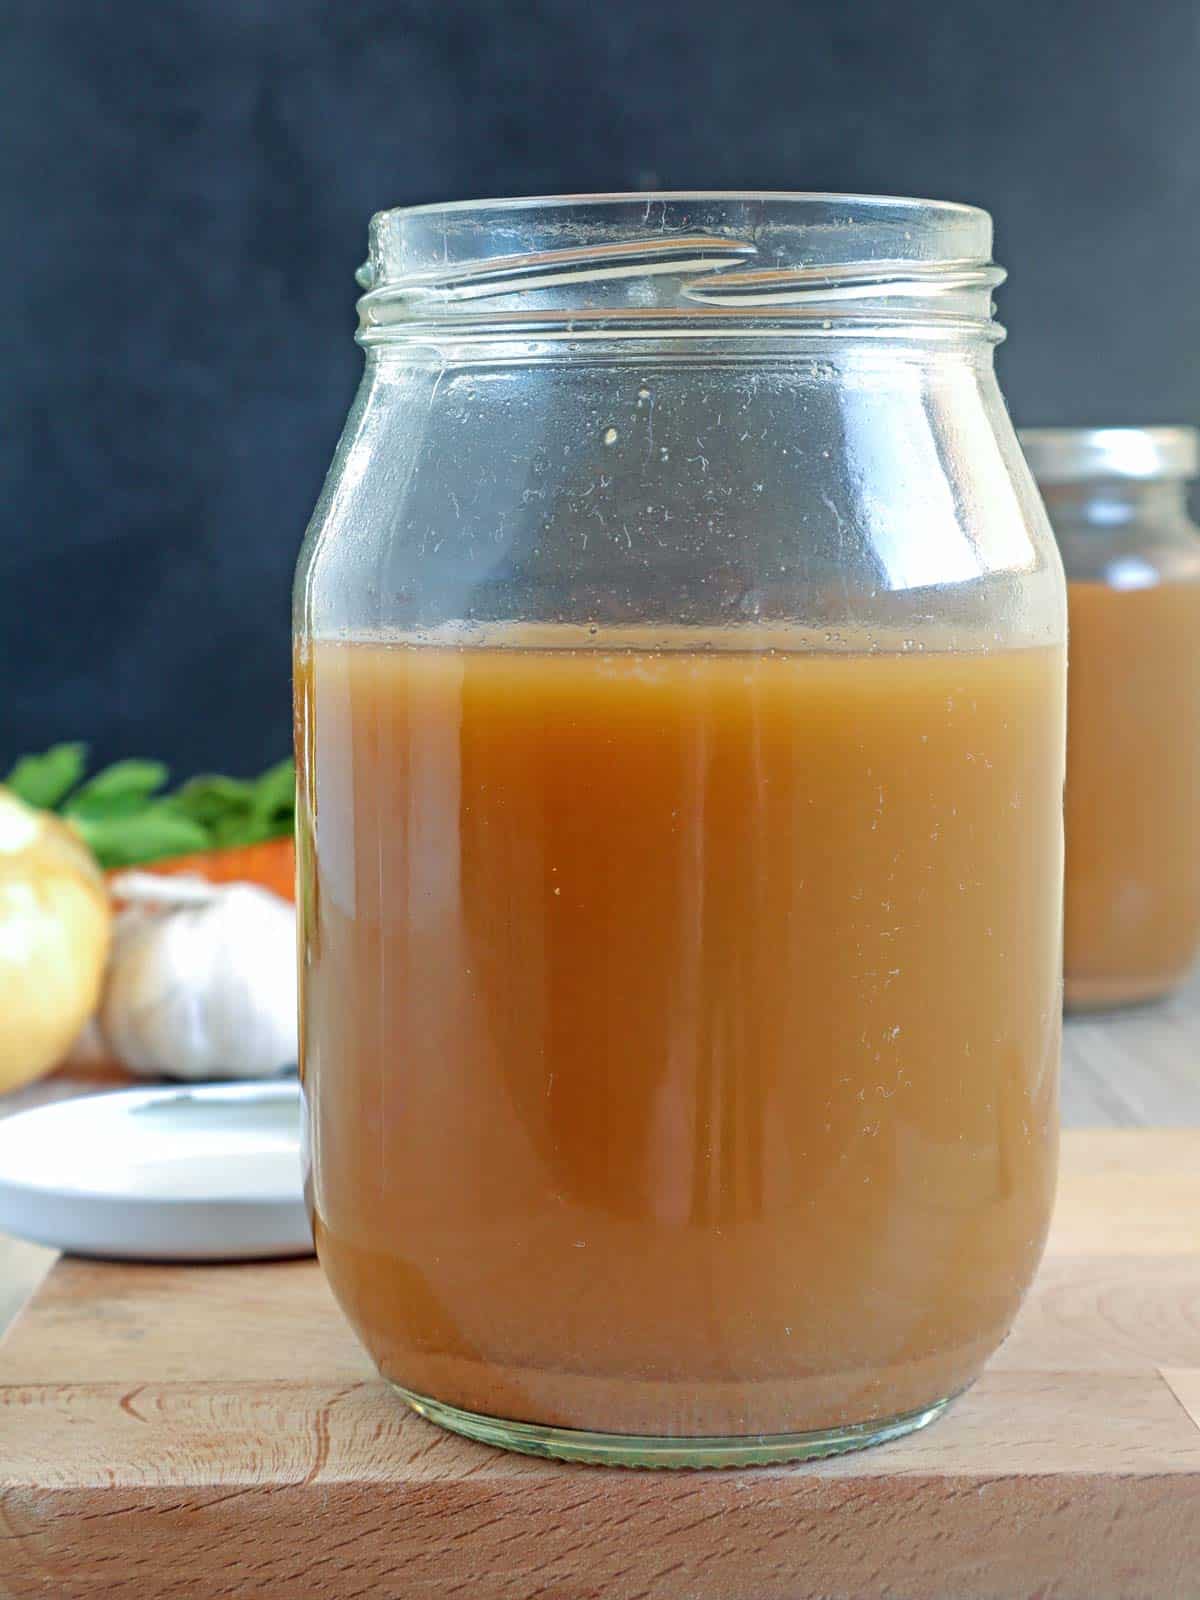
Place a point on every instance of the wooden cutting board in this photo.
(196, 1432)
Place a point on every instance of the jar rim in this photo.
(1076, 455)
(620, 196)
(680, 261)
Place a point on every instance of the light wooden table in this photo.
(1135, 1069)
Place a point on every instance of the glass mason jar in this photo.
(1117, 500)
(680, 721)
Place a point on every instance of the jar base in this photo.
(1114, 994)
(632, 1450)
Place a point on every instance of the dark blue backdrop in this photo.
(187, 188)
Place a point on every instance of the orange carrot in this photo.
(271, 864)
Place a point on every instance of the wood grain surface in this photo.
(215, 1431)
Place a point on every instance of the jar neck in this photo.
(898, 357)
(1112, 505)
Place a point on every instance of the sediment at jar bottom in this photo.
(1113, 994)
(680, 1029)
(676, 1402)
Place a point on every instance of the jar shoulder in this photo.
(875, 491)
(1134, 556)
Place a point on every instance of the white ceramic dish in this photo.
(207, 1172)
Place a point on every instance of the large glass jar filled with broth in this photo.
(680, 721)
(1118, 500)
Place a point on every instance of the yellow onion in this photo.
(55, 924)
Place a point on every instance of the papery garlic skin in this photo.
(55, 923)
(202, 981)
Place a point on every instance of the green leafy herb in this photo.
(275, 794)
(127, 820)
(45, 781)
(121, 790)
(209, 799)
(147, 835)
(234, 830)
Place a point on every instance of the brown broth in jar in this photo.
(1133, 791)
(680, 1026)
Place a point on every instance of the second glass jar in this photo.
(680, 723)
(1117, 500)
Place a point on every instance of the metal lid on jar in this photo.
(1072, 455)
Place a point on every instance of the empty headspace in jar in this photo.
(758, 639)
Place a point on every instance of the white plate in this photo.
(210, 1172)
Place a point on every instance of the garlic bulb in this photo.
(54, 933)
(202, 981)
